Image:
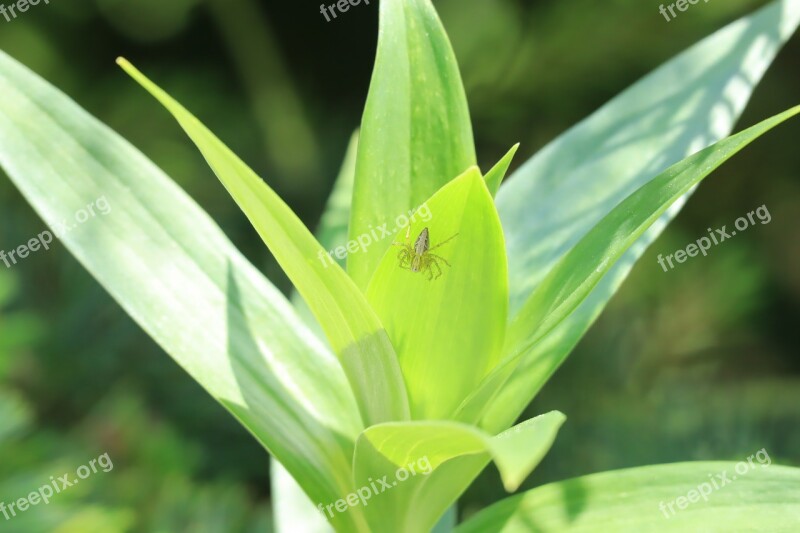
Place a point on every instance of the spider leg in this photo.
(430, 272)
(440, 258)
(443, 242)
(434, 263)
(407, 242)
(404, 256)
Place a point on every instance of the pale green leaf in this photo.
(351, 326)
(580, 270)
(172, 269)
(552, 201)
(415, 133)
(714, 497)
(447, 323)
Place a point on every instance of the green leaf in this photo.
(579, 271)
(495, 176)
(764, 498)
(448, 331)
(442, 458)
(415, 133)
(558, 196)
(174, 271)
(353, 329)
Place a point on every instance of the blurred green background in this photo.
(696, 363)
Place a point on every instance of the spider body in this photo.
(418, 257)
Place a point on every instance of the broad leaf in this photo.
(580, 270)
(558, 196)
(446, 322)
(416, 133)
(172, 269)
(442, 459)
(353, 329)
(709, 496)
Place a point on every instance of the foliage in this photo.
(425, 369)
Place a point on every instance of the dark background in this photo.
(696, 363)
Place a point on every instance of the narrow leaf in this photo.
(495, 176)
(578, 272)
(552, 201)
(177, 275)
(415, 133)
(353, 329)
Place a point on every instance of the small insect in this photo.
(418, 258)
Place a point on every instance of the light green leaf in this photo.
(495, 176)
(447, 329)
(761, 497)
(415, 133)
(172, 269)
(580, 270)
(353, 329)
(558, 196)
(442, 459)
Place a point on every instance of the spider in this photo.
(418, 258)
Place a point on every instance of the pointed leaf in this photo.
(552, 201)
(416, 133)
(578, 272)
(447, 322)
(353, 329)
(174, 271)
(495, 176)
